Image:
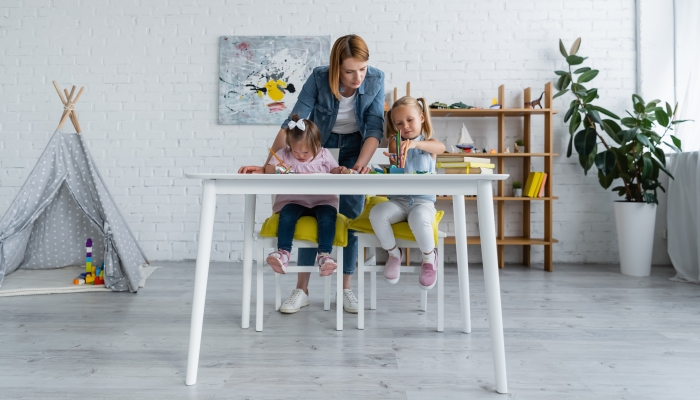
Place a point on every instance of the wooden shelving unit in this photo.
(525, 240)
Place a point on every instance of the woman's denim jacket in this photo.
(317, 103)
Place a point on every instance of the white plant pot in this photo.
(518, 192)
(635, 236)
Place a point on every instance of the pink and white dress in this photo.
(322, 163)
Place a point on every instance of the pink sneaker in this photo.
(428, 273)
(392, 268)
(326, 264)
(278, 260)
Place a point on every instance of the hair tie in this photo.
(298, 124)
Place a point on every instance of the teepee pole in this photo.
(68, 104)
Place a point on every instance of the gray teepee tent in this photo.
(63, 202)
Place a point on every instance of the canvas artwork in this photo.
(260, 76)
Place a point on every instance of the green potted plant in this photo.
(517, 189)
(519, 146)
(631, 154)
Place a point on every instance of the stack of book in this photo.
(458, 164)
(534, 186)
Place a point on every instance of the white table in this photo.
(252, 185)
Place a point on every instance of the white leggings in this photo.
(420, 217)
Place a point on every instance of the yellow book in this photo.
(536, 182)
(528, 183)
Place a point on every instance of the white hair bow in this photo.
(298, 124)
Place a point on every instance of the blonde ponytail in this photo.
(421, 105)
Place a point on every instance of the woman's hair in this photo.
(310, 136)
(419, 105)
(349, 46)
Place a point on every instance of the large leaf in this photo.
(587, 76)
(659, 153)
(603, 111)
(592, 94)
(560, 93)
(662, 167)
(636, 99)
(586, 161)
(559, 82)
(611, 128)
(585, 141)
(647, 168)
(672, 146)
(677, 143)
(575, 46)
(582, 69)
(680, 121)
(575, 122)
(605, 161)
(669, 111)
(661, 117)
(605, 180)
(643, 140)
(629, 122)
(570, 112)
(559, 72)
(562, 49)
(568, 148)
(575, 60)
(639, 108)
(628, 134)
(594, 116)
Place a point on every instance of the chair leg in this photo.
(441, 286)
(259, 300)
(424, 300)
(360, 288)
(327, 293)
(373, 290)
(278, 292)
(339, 292)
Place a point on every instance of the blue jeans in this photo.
(351, 206)
(325, 218)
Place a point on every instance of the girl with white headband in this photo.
(303, 154)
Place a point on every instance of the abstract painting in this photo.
(260, 77)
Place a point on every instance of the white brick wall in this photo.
(149, 111)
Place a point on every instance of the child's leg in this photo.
(326, 216)
(381, 217)
(289, 215)
(420, 219)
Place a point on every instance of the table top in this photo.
(392, 184)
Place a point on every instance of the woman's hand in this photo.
(251, 169)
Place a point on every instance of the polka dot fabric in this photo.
(63, 202)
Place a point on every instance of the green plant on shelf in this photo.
(519, 142)
(517, 185)
(634, 154)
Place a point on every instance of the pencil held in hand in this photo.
(279, 159)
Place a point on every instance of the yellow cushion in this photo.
(307, 229)
(401, 229)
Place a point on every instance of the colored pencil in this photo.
(279, 159)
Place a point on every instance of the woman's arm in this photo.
(368, 149)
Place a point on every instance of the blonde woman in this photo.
(346, 101)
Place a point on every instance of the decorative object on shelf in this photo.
(492, 151)
(532, 104)
(517, 189)
(483, 150)
(634, 155)
(465, 141)
(438, 105)
(519, 146)
(460, 105)
(507, 151)
(494, 104)
(260, 77)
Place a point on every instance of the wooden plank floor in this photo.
(582, 332)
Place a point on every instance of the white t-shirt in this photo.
(346, 122)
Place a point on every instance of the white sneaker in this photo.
(349, 301)
(296, 301)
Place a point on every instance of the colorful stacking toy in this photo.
(93, 275)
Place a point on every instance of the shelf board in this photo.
(503, 198)
(487, 112)
(487, 155)
(508, 240)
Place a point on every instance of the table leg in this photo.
(248, 226)
(489, 255)
(462, 260)
(206, 230)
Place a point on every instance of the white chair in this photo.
(370, 241)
